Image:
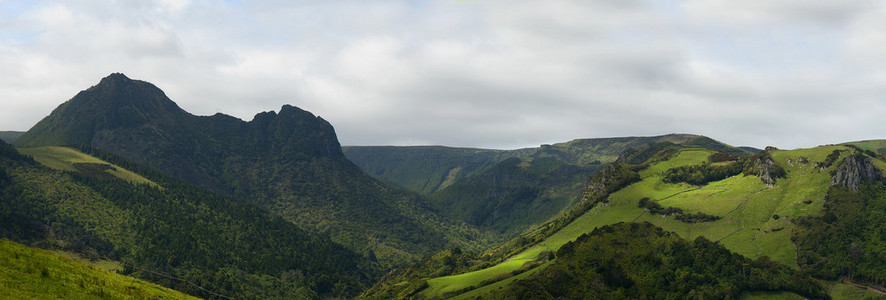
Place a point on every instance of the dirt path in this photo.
(859, 285)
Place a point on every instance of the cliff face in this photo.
(854, 170)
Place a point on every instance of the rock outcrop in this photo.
(762, 165)
(854, 170)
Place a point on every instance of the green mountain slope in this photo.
(10, 136)
(179, 236)
(522, 191)
(819, 210)
(28, 273)
(289, 163)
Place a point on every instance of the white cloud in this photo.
(485, 74)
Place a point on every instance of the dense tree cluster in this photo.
(654, 208)
(847, 239)
(722, 157)
(641, 261)
(702, 173)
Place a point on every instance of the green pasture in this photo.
(64, 158)
(442, 285)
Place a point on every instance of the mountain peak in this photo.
(115, 77)
(115, 102)
(116, 81)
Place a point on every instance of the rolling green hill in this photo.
(180, 236)
(28, 273)
(817, 210)
(289, 163)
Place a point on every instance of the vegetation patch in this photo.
(846, 240)
(654, 208)
(639, 260)
(702, 174)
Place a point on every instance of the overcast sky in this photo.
(493, 74)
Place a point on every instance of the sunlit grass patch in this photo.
(64, 159)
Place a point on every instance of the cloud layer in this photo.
(500, 74)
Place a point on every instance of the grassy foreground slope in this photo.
(768, 208)
(28, 273)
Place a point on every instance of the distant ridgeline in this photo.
(289, 163)
(760, 224)
(10, 136)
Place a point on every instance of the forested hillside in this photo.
(639, 260)
(289, 163)
(172, 233)
(796, 213)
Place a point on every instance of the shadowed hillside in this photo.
(288, 162)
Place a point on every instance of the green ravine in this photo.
(757, 219)
(28, 273)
